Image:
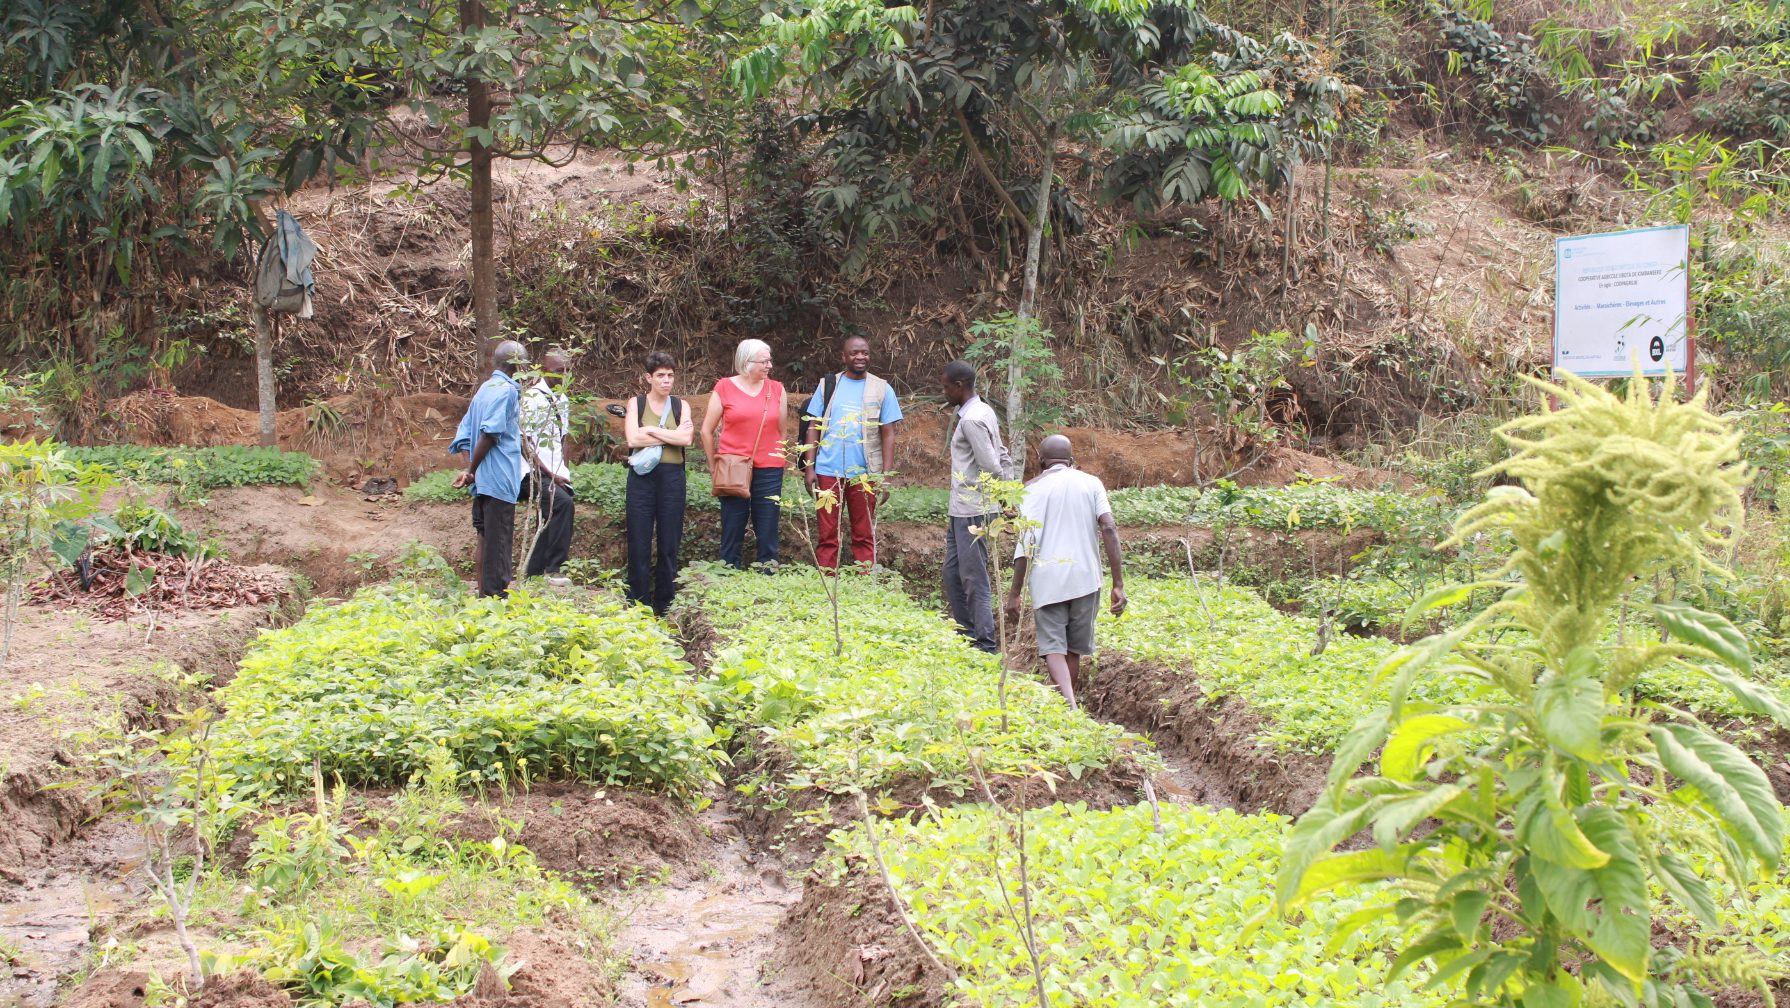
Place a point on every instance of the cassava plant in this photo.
(44, 495)
(166, 784)
(1524, 827)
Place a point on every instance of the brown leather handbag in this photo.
(731, 475)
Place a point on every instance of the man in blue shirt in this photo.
(491, 434)
(853, 441)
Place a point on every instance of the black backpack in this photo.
(677, 410)
(827, 388)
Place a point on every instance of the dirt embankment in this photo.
(360, 436)
(1217, 736)
(850, 947)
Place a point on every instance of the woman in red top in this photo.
(749, 409)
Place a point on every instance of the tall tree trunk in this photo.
(264, 387)
(484, 257)
(1028, 302)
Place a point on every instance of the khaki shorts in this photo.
(1068, 627)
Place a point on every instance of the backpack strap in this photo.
(677, 411)
(827, 387)
(640, 411)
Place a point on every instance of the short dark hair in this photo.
(961, 373)
(659, 360)
(848, 337)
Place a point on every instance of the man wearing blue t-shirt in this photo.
(852, 439)
(491, 437)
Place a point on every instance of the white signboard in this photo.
(1622, 300)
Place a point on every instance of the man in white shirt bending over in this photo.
(545, 420)
(1071, 522)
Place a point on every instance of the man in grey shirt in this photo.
(1069, 521)
(976, 448)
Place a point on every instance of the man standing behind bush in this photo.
(1070, 520)
(491, 434)
(853, 437)
(976, 448)
(545, 419)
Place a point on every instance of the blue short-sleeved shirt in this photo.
(494, 411)
(841, 450)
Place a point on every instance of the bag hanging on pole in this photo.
(283, 279)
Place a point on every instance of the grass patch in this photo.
(1129, 915)
(909, 698)
(580, 687)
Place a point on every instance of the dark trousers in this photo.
(858, 503)
(766, 484)
(967, 589)
(553, 544)
(495, 522)
(655, 512)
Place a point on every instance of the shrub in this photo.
(1533, 823)
(517, 689)
(908, 700)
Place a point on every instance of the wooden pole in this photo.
(265, 335)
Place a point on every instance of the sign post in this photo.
(1622, 301)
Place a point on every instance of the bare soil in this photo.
(317, 532)
(69, 672)
(600, 838)
(848, 947)
(1216, 738)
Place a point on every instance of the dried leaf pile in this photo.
(179, 583)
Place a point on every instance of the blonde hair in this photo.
(748, 349)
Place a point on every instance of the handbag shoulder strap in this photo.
(762, 416)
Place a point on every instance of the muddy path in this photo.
(49, 924)
(714, 939)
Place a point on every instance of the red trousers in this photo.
(860, 504)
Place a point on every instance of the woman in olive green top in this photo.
(658, 429)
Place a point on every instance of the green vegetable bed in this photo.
(1128, 916)
(588, 689)
(600, 486)
(908, 700)
(603, 486)
(1263, 657)
(200, 468)
(1256, 653)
